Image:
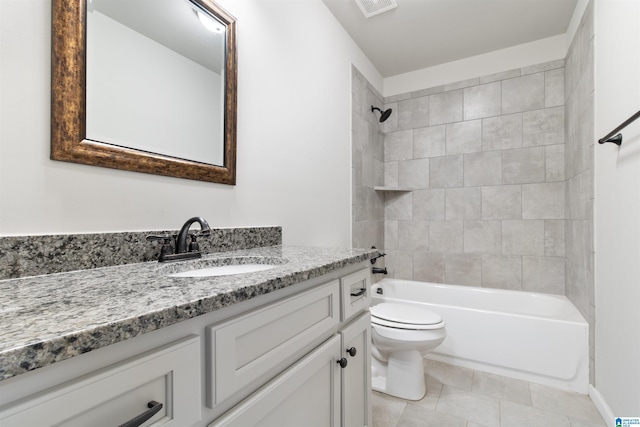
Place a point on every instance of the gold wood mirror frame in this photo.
(68, 104)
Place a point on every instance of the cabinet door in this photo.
(252, 349)
(307, 394)
(169, 375)
(356, 376)
(356, 293)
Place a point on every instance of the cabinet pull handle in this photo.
(154, 408)
(361, 292)
(343, 363)
(352, 351)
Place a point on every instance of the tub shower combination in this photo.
(535, 337)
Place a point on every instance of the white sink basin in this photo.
(223, 270)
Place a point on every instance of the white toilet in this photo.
(402, 334)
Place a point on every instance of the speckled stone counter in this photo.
(49, 318)
(22, 256)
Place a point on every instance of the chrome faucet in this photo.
(182, 252)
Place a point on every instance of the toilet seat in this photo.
(405, 316)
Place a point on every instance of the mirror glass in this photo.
(161, 63)
(145, 85)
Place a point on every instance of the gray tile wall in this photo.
(486, 160)
(500, 200)
(367, 164)
(579, 164)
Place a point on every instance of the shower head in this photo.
(384, 115)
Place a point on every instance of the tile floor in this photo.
(460, 397)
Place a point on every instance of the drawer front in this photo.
(169, 375)
(252, 348)
(356, 293)
(307, 394)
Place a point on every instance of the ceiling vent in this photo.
(373, 7)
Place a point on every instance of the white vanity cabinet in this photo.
(299, 356)
(329, 386)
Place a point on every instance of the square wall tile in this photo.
(429, 142)
(524, 237)
(391, 174)
(543, 127)
(554, 237)
(502, 202)
(428, 204)
(482, 237)
(464, 137)
(523, 165)
(428, 267)
(413, 173)
(554, 163)
(413, 235)
(398, 206)
(524, 93)
(463, 203)
(482, 169)
(483, 101)
(445, 236)
(413, 113)
(463, 269)
(399, 264)
(398, 146)
(502, 132)
(554, 88)
(543, 274)
(543, 201)
(445, 107)
(502, 271)
(446, 171)
(390, 235)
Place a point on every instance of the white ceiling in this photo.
(423, 33)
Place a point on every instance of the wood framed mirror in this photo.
(84, 109)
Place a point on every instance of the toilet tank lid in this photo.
(405, 313)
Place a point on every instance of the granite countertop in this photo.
(49, 318)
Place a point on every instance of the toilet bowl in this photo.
(402, 334)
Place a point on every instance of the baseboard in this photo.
(602, 406)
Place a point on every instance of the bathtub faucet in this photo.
(377, 270)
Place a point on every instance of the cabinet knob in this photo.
(352, 351)
(342, 362)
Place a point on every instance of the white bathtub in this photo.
(534, 337)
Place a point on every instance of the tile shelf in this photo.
(397, 189)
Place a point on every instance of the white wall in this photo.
(617, 209)
(294, 167)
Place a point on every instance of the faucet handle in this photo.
(166, 249)
(194, 246)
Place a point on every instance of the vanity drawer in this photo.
(169, 375)
(356, 293)
(255, 347)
